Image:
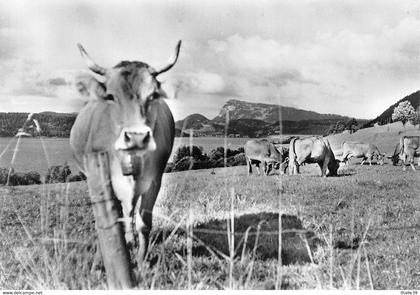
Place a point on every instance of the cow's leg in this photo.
(404, 159)
(411, 160)
(143, 218)
(257, 165)
(345, 158)
(363, 161)
(324, 166)
(296, 168)
(269, 168)
(123, 187)
(248, 163)
(283, 167)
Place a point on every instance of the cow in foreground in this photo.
(312, 150)
(367, 151)
(263, 152)
(127, 117)
(406, 149)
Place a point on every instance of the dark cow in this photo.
(127, 117)
(367, 151)
(406, 149)
(312, 150)
(264, 152)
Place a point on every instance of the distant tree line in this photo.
(55, 174)
(185, 158)
(52, 124)
(351, 125)
(193, 158)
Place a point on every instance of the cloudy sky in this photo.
(353, 58)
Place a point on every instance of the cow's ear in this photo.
(89, 87)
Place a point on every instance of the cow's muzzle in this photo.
(136, 139)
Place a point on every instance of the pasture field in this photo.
(357, 230)
(362, 229)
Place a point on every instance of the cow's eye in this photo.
(109, 97)
(155, 95)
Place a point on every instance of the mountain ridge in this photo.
(270, 113)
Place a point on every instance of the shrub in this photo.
(77, 177)
(237, 160)
(219, 153)
(32, 177)
(169, 167)
(185, 151)
(3, 175)
(57, 174)
(183, 164)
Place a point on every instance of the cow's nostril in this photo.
(146, 138)
(127, 137)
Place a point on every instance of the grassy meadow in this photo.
(355, 231)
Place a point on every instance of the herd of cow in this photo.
(262, 152)
(127, 117)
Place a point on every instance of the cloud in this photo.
(321, 55)
(37, 103)
(59, 81)
(198, 82)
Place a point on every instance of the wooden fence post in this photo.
(110, 232)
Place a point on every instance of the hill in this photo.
(269, 113)
(247, 119)
(386, 116)
(52, 124)
(194, 121)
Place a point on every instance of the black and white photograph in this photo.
(209, 145)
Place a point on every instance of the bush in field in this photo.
(19, 178)
(219, 153)
(189, 163)
(32, 177)
(57, 174)
(169, 167)
(185, 151)
(183, 164)
(237, 160)
(193, 159)
(3, 175)
(77, 177)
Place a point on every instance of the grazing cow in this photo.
(312, 150)
(406, 149)
(127, 117)
(262, 151)
(367, 151)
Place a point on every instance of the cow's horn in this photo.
(90, 63)
(172, 60)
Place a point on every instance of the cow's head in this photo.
(125, 94)
(333, 167)
(395, 159)
(381, 158)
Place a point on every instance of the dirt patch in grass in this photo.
(257, 234)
